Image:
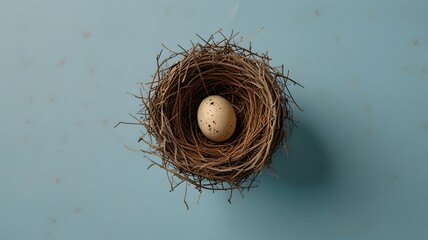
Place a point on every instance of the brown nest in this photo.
(258, 93)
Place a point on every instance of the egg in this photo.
(216, 118)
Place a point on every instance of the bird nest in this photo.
(215, 66)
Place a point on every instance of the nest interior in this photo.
(258, 93)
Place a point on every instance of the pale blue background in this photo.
(358, 167)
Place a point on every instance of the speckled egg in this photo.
(216, 118)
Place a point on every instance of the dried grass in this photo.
(258, 93)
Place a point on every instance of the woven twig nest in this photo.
(258, 93)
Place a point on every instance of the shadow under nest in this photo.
(258, 93)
